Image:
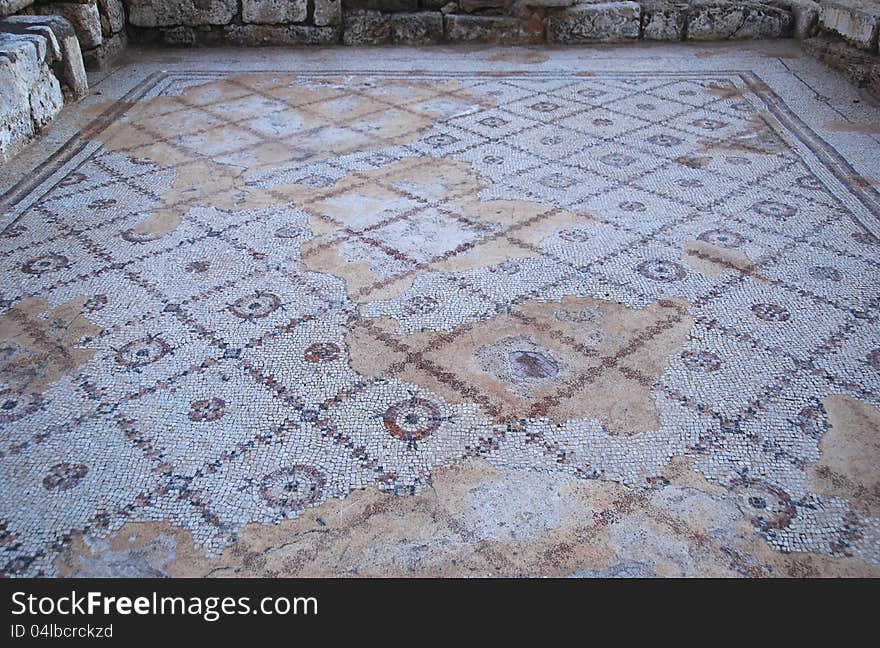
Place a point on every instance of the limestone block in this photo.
(664, 21)
(71, 69)
(421, 28)
(328, 12)
(114, 13)
(805, 15)
(274, 12)
(274, 35)
(713, 20)
(366, 28)
(595, 23)
(491, 29)
(856, 20)
(20, 67)
(84, 17)
(172, 13)
(46, 99)
(101, 56)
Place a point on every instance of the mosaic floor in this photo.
(544, 315)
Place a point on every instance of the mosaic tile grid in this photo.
(264, 291)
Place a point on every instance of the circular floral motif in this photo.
(702, 360)
(575, 235)
(768, 507)
(493, 159)
(709, 124)
(143, 351)
(771, 312)
(421, 305)
(873, 358)
(558, 181)
(551, 140)
(618, 160)
(665, 140)
(290, 232)
(133, 236)
(808, 182)
(689, 183)
(256, 306)
(632, 206)
(14, 405)
(204, 411)
(292, 488)
(64, 475)
(811, 420)
(591, 93)
(532, 364)
(825, 272)
(510, 267)
(722, 238)
(545, 106)
(602, 121)
(322, 352)
(46, 263)
(774, 209)
(646, 106)
(661, 270)
(95, 303)
(412, 419)
(737, 160)
(197, 266)
(72, 179)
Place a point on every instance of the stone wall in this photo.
(376, 22)
(100, 25)
(41, 67)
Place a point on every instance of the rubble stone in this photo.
(490, 29)
(421, 28)
(273, 12)
(856, 20)
(327, 12)
(148, 13)
(713, 20)
(84, 17)
(595, 23)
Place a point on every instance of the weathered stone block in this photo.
(70, 69)
(172, 13)
(179, 36)
(595, 23)
(46, 100)
(487, 29)
(421, 28)
(805, 15)
(855, 63)
(114, 13)
(273, 35)
(432, 5)
(273, 12)
(84, 17)
(101, 56)
(386, 6)
(856, 20)
(664, 21)
(366, 28)
(328, 12)
(713, 20)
